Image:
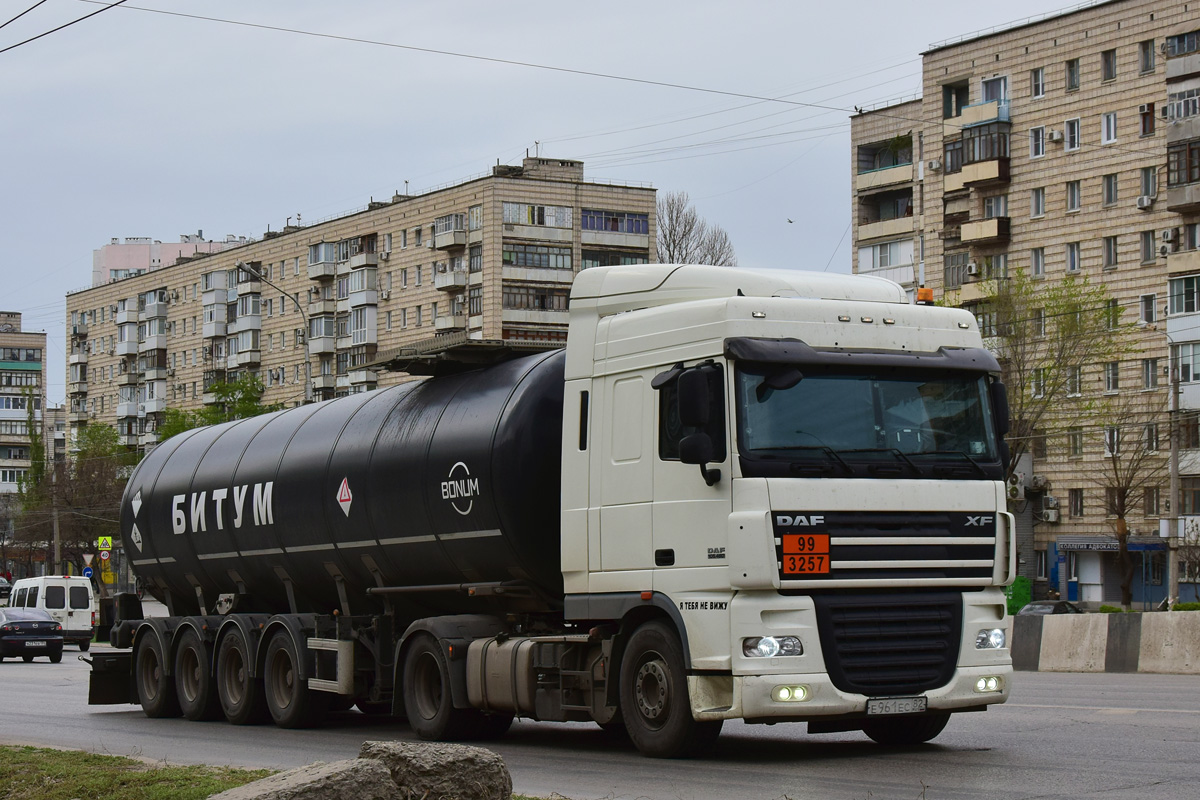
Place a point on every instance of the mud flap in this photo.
(111, 679)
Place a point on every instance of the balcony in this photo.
(154, 310)
(78, 358)
(156, 342)
(147, 439)
(129, 347)
(249, 357)
(449, 240)
(80, 331)
(127, 317)
(628, 241)
(1183, 199)
(359, 377)
(451, 322)
(535, 317)
(127, 379)
(77, 387)
(323, 382)
(980, 173)
(127, 408)
(215, 297)
(213, 330)
(888, 227)
(1183, 129)
(77, 417)
(451, 280)
(248, 284)
(319, 345)
(1181, 67)
(127, 439)
(887, 176)
(360, 260)
(322, 270)
(986, 231)
(152, 407)
(155, 373)
(978, 114)
(366, 297)
(322, 306)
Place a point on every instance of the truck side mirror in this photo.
(697, 448)
(1000, 407)
(693, 398)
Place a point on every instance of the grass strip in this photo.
(31, 773)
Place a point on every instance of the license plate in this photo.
(806, 554)
(35, 644)
(897, 705)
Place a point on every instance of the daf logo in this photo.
(979, 522)
(799, 520)
(460, 489)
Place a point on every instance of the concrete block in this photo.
(1074, 643)
(353, 779)
(1170, 643)
(1025, 642)
(436, 771)
(1124, 642)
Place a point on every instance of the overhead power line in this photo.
(23, 13)
(60, 27)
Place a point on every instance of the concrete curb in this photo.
(1161, 642)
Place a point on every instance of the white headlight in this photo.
(771, 646)
(989, 683)
(990, 639)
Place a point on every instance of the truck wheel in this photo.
(155, 689)
(654, 696)
(241, 695)
(194, 684)
(289, 699)
(431, 713)
(900, 731)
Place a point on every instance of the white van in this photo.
(67, 598)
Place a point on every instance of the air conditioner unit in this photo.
(1145, 202)
(1049, 502)
(933, 165)
(1039, 483)
(1054, 136)
(1014, 490)
(429, 242)
(1168, 235)
(170, 373)
(1164, 250)
(1162, 48)
(1050, 515)
(174, 294)
(384, 255)
(972, 268)
(1146, 108)
(385, 294)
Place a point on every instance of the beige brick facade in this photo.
(1044, 148)
(492, 257)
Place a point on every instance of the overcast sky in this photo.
(135, 123)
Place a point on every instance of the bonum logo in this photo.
(460, 488)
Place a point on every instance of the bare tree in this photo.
(1188, 556)
(685, 238)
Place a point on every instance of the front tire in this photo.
(431, 712)
(194, 684)
(654, 696)
(155, 689)
(291, 703)
(906, 731)
(240, 695)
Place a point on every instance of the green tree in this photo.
(237, 400)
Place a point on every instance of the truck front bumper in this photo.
(754, 697)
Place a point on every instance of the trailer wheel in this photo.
(654, 696)
(901, 731)
(289, 699)
(241, 695)
(194, 684)
(155, 689)
(431, 712)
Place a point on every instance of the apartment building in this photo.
(120, 259)
(318, 309)
(22, 382)
(1064, 145)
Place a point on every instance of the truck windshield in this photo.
(865, 422)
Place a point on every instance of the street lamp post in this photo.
(308, 386)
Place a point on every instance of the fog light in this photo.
(789, 694)
(990, 639)
(771, 646)
(989, 683)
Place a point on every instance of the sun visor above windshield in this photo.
(794, 351)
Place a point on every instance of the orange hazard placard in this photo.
(806, 554)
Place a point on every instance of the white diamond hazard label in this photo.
(344, 496)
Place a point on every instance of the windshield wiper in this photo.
(890, 451)
(827, 451)
(971, 461)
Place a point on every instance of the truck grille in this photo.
(892, 644)
(949, 548)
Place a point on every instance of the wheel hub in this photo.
(650, 689)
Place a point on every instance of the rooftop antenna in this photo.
(537, 149)
(406, 187)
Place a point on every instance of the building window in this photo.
(1151, 501)
(1150, 374)
(1039, 322)
(1183, 44)
(1112, 314)
(548, 216)
(475, 300)
(1075, 441)
(1109, 184)
(995, 206)
(1073, 262)
(1183, 104)
(955, 270)
(536, 256)
(985, 143)
(610, 258)
(1113, 501)
(1150, 437)
(1037, 382)
(474, 218)
(1040, 556)
(1183, 163)
(475, 258)
(535, 298)
(1071, 134)
(1146, 56)
(1074, 196)
(1037, 202)
(1146, 119)
(1148, 305)
(1074, 381)
(1075, 502)
(1189, 496)
(1108, 65)
(628, 222)
(1184, 295)
(1037, 82)
(1110, 253)
(1112, 376)
(1037, 444)
(1037, 261)
(1037, 142)
(1072, 74)
(1187, 361)
(995, 89)
(1149, 181)
(1108, 127)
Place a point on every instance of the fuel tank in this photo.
(449, 480)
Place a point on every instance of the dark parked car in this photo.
(29, 633)
(5, 588)
(1041, 607)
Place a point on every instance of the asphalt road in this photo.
(1061, 736)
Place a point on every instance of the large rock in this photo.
(353, 779)
(434, 771)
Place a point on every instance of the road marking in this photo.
(1107, 709)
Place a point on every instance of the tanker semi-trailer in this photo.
(761, 495)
